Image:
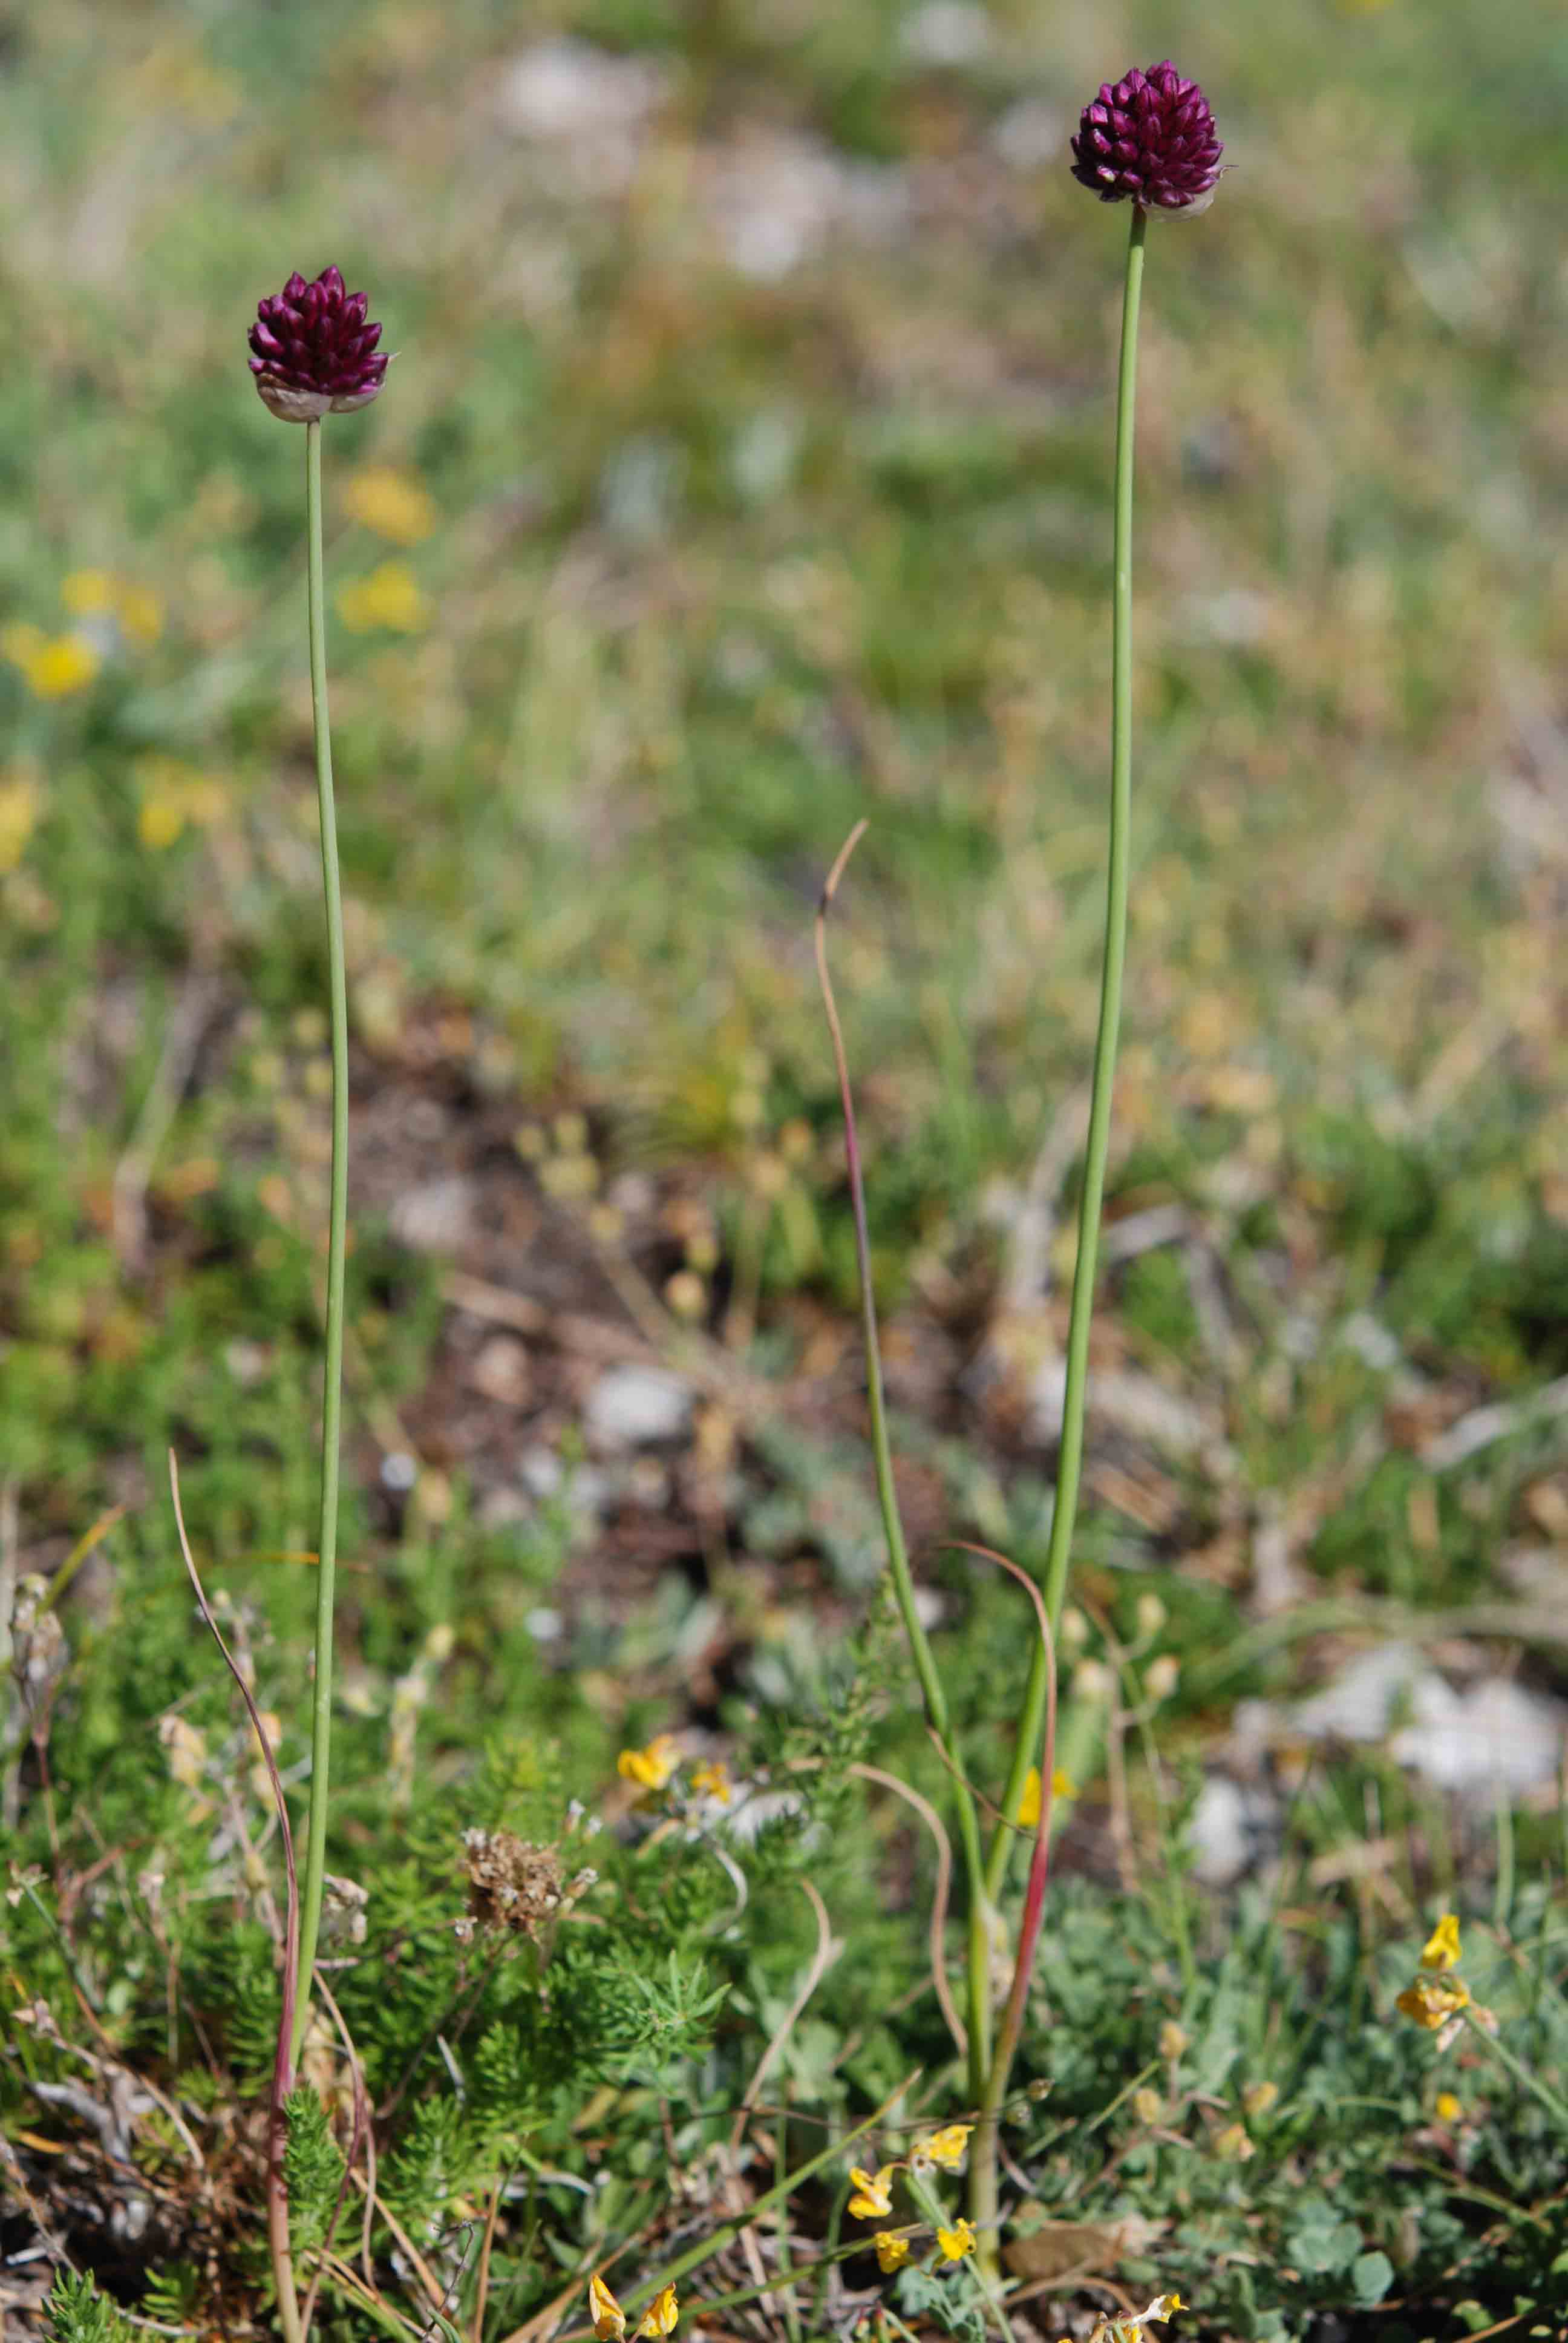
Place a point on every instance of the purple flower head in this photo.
(312, 352)
(1150, 136)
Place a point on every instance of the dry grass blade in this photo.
(937, 1933)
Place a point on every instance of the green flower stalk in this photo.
(314, 354)
(1147, 139)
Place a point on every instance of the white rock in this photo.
(437, 1216)
(1230, 1828)
(631, 1407)
(1498, 1735)
(541, 1470)
(591, 111)
(563, 88)
(777, 200)
(1360, 1702)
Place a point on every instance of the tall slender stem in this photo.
(977, 1959)
(332, 1391)
(1071, 1451)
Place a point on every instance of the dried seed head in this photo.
(513, 1887)
(1150, 137)
(313, 352)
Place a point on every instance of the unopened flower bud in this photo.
(1161, 1676)
(1149, 137)
(1151, 1616)
(313, 352)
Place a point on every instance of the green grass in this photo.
(720, 564)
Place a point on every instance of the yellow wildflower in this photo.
(957, 2241)
(1432, 2005)
(652, 1768)
(1449, 2108)
(88, 593)
(1232, 2144)
(873, 2198)
(945, 2148)
(19, 801)
(1258, 2098)
(1173, 2040)
(98, 594)
(1131, 2331)
(173, 793)
(54, 665)
(395, 506)
(160, 821)
(892, 2250)
(388, 598)
(1062, 1786)
(661, 2314)
(1148, 2105)
(711, 1780)
(609, 2318)
(1441, 1950)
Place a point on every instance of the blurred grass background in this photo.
(744, 469)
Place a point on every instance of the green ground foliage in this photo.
(743, 470)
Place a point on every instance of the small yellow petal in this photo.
(1441, 1950)
(957, 2241)
(946, 2147)
(1432, 2005)
(661, 2314)
(873, 2197)
(890, 2251)
(1062, 1786)
(60, 666)
(652, 1768)
(390, 599)
(711, 1780)
(159, 822)
(1449, 2108)
(609, 2318)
